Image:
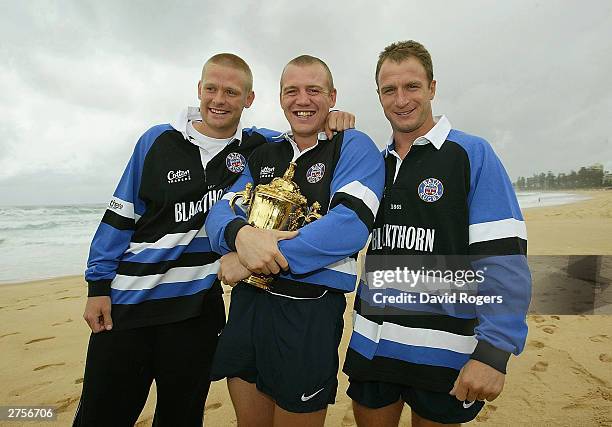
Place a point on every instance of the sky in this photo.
(80, 81)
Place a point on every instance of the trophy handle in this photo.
(244, 195)
(313, 213)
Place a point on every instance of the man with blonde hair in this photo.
(441, 347)
(154, 304)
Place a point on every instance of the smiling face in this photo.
(405, 94)
(306, 97)
(223, 92)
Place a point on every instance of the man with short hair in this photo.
(447, 196)
(279, 350)
(154, 303)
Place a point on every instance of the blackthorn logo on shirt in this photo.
(315, 173)
(430, 190)
(178, 176)
(235, 162)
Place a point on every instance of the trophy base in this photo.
(259, 280)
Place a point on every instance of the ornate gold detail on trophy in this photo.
(278, 205)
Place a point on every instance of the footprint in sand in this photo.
(605, 357)
(28, 389)
(145, 422)
(62, 405)
(62, 291)
(539, 319)
(50, 365)
(213, 406)
(69, 297)
(79, 380)
(486, 412)
(349, 417)
(39, 340)
(599, 338)
(536, 344)
(61, 323)
(25, 308)
(8, 335)
(549, 329)
(555, 317)
(540, 367)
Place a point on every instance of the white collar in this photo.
(288, 136)
(192, 114)
(436, 135)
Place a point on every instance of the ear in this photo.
(249, 99)
(332, 96)
(200, 90)
(432, 90)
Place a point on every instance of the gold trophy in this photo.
(278, 205)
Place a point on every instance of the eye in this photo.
(388, 91)
(209, 89)
(290, 92)
(313, 91)
(231, 92)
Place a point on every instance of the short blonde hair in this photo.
(232, 61)
(303, 60)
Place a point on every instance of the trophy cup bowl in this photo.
(278, 205)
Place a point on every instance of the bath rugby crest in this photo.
(430, 190)
(235, 162)
(315, 173)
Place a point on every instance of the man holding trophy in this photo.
(279, 349)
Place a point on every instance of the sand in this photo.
(563, 378)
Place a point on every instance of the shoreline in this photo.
(528, 212)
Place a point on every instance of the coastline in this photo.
(562, 378)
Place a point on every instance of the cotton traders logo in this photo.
(235, 162)
(430, 190)
(315, 173)
(178, 176)
(266, 172)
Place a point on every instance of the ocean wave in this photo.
(42, 226)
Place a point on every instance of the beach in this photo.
(563, 378)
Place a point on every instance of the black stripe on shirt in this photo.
(356, 205)
(506, 246)
(117, 221)
(190, 259)
(383, 369)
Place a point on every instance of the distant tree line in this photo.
(587, 177)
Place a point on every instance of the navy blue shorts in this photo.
(431, 405)
(287, 347)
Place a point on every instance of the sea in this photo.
(38, 242)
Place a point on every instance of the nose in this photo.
(302, 98)
(402, 99)
(219, 98)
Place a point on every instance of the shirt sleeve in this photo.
(498, 249)
(114, 234)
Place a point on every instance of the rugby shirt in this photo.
(449, 196)
(150, 252)
(346, 176)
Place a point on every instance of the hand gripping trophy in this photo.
(278, 205)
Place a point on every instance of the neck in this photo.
(404, 140)
(305, 142)
(213, 133)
